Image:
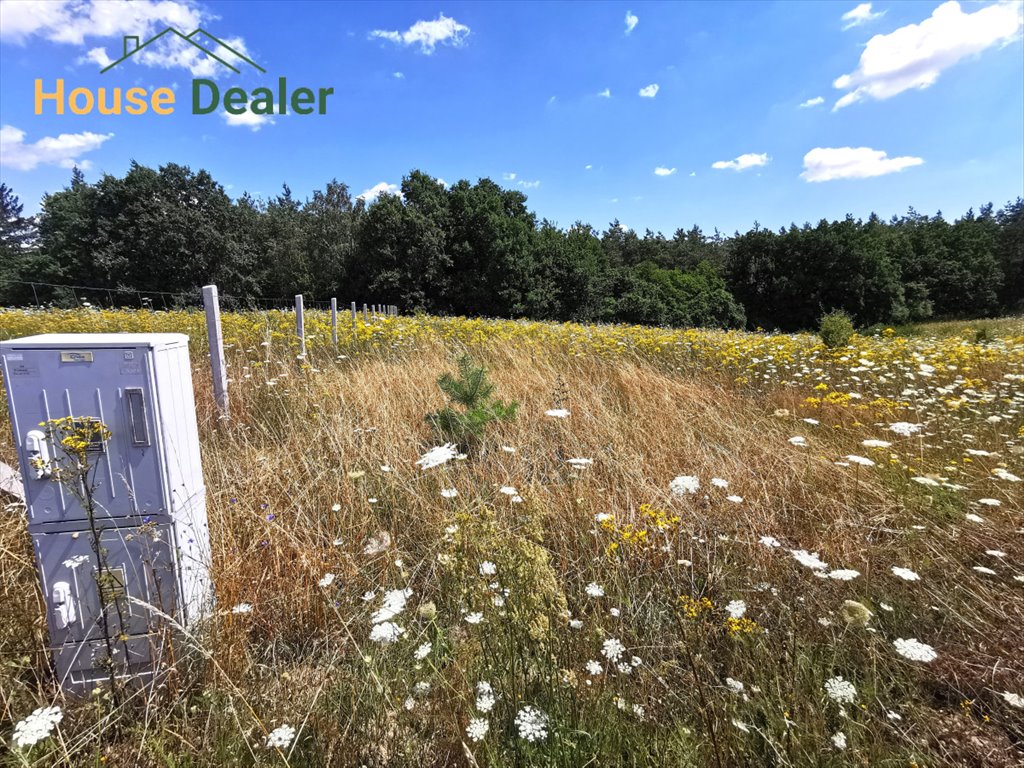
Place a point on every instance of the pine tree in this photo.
(473, 393)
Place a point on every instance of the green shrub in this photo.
(836, 329)
(472, 393)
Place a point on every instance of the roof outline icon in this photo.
(187, 38)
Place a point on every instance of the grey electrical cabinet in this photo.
(120, 583)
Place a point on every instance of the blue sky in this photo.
(930, 113)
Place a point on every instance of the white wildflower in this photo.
(808, 559)
(449, 493)
(477, 729)
(905, 428)
(37, 726)
(487, 568)
(843, 574)
(327, 580)
(734, 499)
(532, 724)
(839, 740)
(594, 589)
(594, 667)
(854, 459)
(280, 737)
(474, 618)
(242, 608)
(904, 573)
(734, 685)
(876, 444)
(798, 440)
(840, 691)
(914, 650)
(684, 484)
(485, 697)
(612, 649)
(770, 541)
(736, 609)
(386, 633)
(1013, 699)
(423, 651)
(990, 502)
(719, 482)
(394, 604)
(557, 413)
(437, 456)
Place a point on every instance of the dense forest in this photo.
(476, 249)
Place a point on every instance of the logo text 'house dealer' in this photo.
(206, 96)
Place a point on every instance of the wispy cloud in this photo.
(741, 163)
(378, 189)
(428, 34)
(915, 55)
(860, 15)
(631, 21)
(606, 93)
(527, 184)
(247, 119)
(398, 75)
(812, 102)
(63, 150)
(829, 163)
(75, 23)
(508, 176)
(650, 91)
(662, 171)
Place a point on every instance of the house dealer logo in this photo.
(206, 95)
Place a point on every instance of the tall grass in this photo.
(315, 474)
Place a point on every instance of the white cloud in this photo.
(443, 183)
(623, 227)
(74, 22)
(828, 163)
(587, 167)
(97, 56)
(398, 75)
(371, 194)
(741, 163)
(693, 173)
(428, 34)
(661, 171)
(508, 176)
(860, 15)
(812, 102)
(606, 93)
(63, 150)
(631, 21)
(915, 55)
(650, 91)
(247, 120)
(62, 21)
(527, 184)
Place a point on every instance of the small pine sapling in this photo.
(475, 407)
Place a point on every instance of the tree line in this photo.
(476, 249)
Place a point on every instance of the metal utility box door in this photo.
(147, 488)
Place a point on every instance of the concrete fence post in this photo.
(213, 333)
(300, 324)
(334, 321)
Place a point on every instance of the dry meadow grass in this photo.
(315, 474)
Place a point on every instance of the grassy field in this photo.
(689, 548)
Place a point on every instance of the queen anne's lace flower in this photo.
(840, 691)
(37, 726)
(386, 633)
(532, 724)
(280, 737)
(613, 649)
(914, 650)
(904, 573)
(684, 484)
(437, 456)
(484, 697)
(477, 729)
